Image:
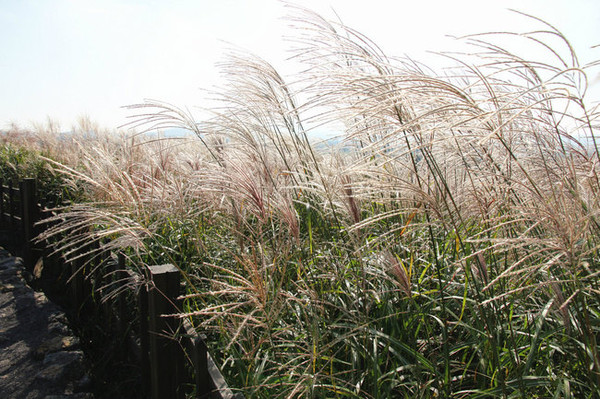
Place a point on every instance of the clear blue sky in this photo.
(66, 58)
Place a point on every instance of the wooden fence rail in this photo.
(164, 343)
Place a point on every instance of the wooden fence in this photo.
(19, 212)
(173, 357)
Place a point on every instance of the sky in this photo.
(64, 59)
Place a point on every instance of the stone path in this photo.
(39, 355)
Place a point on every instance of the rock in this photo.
(8, 263)
(58, 317)
(8, 275)
(81, 395)
(4, 338)
(55, 344)
(6, 287)
(84, 384)
(4, 365)
(54, 373)
(40, 298)
(58, 328)
(64, 358)
(62, 367)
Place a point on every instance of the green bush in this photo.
(18, 163)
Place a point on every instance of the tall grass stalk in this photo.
(446, 245)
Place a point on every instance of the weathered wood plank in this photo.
(166, 361)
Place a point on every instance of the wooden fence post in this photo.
(11, 205)
(29, 216)
(200, 361)
(81, 285)
(144, 340)
(1, 203)
(166, 358)
(77, 281)
(104, 283)
(121, 277)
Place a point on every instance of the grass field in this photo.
(444, 245)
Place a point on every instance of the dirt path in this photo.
(39, 355)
